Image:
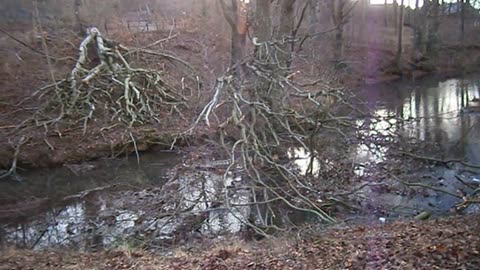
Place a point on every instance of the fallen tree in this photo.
(261, 115)
(104, 84)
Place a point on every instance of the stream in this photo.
(442, 113)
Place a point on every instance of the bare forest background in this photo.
(336, 30)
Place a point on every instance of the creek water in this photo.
(32, 217)
(445, 113)
(442, 112)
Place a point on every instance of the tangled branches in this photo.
(260, 117)
(103, 78)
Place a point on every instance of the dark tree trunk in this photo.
(418, 31)
(400, 34)
(395, 15)
(285, 31)
(236, 18)
(339, 44)
(79, 25)
(263, 22)
(238, 45)
(386, 13)
(204, 8)
(462, 22)
(425, 28)
(339, 20)
(433, 39)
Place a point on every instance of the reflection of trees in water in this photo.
(432, 111)
(477, 86)
(470, 141)
(93, 238)
(440, 121)
(78, 225)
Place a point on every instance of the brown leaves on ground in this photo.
(448, 243)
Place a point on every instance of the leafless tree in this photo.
(398, 56)
(263, 21)
(340, 10)
(462, 21)
(236, 16)
(433, 40)
(77, 6)
(395, 15)
(285, 30)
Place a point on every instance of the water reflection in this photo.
(442, 113)
(35, 214)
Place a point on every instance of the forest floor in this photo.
(444, 243)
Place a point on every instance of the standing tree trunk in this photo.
(398, 57)
(364, 26)
(395, 16)
(462, 22)
(433, 38)
(204, 7)
(236, 17)
(386, 12)
(313, 16)
(285, 31)
(425, 28)
(78, 22)
(263, 33)
(417, 28)
(337, 8)
(263, 22)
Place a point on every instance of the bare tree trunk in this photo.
(285, 31)
(417, 27)
(237, 47)
(433, 38)
(236, 18)
(363, 27)
(313, 16)
(425, 30)
(263, 33)
(338, 17)
(263, 22)
(386, 12)
(79, 24)
(395, 16)
(400, 34)
(462, 22)
(204, 7)
(339, 44)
